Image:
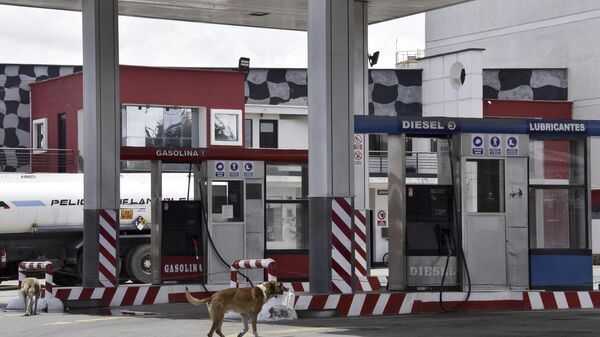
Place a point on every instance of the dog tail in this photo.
(194, 300)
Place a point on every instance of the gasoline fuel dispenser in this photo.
(182, 244)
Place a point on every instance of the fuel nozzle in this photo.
(446, 246)
(195, 246)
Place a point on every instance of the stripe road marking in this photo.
(356, 306)
(332, 302)
(381, 303)
(585, 300)
(536, 301)
(11, 315)
(91, 320)
(561, 300)
(296, 330)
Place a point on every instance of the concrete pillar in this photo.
(102, 130)
(331, 92)
(397, 212)
(361, 104)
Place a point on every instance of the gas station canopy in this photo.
(280, 14)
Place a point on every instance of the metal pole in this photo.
(397, 212)
(156, 230)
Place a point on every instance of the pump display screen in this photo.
(428, 203)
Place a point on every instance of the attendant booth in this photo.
(510, 208)
(222, 220)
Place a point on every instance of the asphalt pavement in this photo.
(183, 320)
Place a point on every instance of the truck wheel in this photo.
(139, 264)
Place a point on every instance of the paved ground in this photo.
(182, 320)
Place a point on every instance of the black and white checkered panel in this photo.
(395, 93)
(276, 86)
(525, 84)
(15, 111)
(391, 92)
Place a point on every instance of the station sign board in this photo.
(447, 126)
(235, 169)
(494, 145)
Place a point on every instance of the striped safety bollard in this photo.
(269, 264)
(47, 267)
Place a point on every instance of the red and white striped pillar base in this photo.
(107, 260)
(342, 270)
(361, 269)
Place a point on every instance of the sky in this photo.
(41, 36)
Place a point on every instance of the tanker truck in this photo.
(41, 218)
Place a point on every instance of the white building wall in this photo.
(529, 34)
(293, 133)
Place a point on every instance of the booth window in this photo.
(484, 190)
(557, 197)
(286, 211)
(227, 201)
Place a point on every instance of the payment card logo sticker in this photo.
(477, 145)
(219, 169)
(512, 148)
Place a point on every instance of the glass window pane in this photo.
(484, 186)
(285, 182)
(556, 162)
(226, 127)
(557, 218)
(287, 226)
(157, 126)
(227, 201)
(248, 133)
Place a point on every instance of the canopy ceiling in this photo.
(281, 14)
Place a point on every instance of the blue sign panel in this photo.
(447, 126)
(557, 127)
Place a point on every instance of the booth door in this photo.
(226, 219)
(484, 229)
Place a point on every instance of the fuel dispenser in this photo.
(430, 246)
(182, 244)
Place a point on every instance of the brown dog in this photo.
(245, 301)
(30, 289)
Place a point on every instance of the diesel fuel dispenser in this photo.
(430, 246)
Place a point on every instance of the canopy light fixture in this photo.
(244, 63)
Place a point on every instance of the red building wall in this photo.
(556, 165)
(213, 89)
